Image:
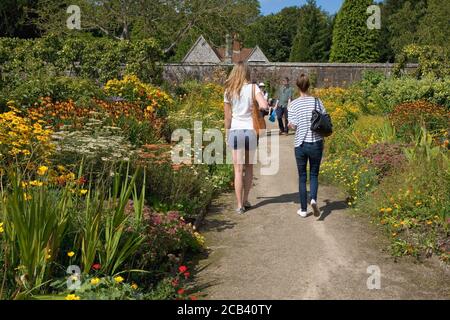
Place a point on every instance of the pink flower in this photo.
(182, 269)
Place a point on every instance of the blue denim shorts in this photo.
(243, 139)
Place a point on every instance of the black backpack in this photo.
(321, 122)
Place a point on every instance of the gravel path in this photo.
(271, 253)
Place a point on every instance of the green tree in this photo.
(313, 40)
(434, 27)
(274, 33)
(169, 21)
(13, 18)
(353, 41)
(403, 24)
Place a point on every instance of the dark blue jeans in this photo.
(282, 112)
(311, 152)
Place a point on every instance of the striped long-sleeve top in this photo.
(300, 113)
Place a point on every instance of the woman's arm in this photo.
(227, 119)
(293, 118)
(262, 102)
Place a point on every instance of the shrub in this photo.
(382, 98)
(385, 156)
(352, 172)
(412, 206)
(164, 233)
(24, 141)
(132, 89)
(407, 118)
(352, 40)
(60, 88)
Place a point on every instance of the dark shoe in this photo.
(247, 205)
(240, 211)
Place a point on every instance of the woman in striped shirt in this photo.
(308, 144)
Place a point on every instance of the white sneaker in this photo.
(315, 208)
(302, 214)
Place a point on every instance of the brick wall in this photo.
(325, 74)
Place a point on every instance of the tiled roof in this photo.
(243, 55)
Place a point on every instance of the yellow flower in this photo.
(118, 279)
(48, 256)
(95, 281)
(72, 297)
(418, 203)
(83, 192)
(42, 170)
(382, 210)
(70, 254)
(134, 286)
(1, 227)
(429, 222)
(389, 210)
(27, 196)
(36, 183)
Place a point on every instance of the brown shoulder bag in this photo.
(258, 121)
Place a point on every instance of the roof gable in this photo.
(201, 51)
(257, 55)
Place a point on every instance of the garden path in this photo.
(271, 253)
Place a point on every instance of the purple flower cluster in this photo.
(385, 156)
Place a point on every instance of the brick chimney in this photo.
(228, 49)
(236, 46)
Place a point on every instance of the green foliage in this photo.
(107, 288)
(395, 166)
(313, 40)
(29, 67)
(352, 39)
(60, 88)
(433, 29)
(408, 118)
(434, 61)
(413, 204)
(383, 97)
(403, 23)
(35, 221)
(274, 34)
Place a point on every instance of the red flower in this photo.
(96, 266)
(180, 291)
(186, 275)
(175, 282)
(193, 298)
(182, 269)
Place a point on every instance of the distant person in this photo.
(242, 137)
(285, 96)
(308, 144)
(262, 87)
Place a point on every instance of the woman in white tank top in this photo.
(241, 136)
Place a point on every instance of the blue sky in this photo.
(273, 6)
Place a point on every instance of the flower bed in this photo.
(393, 165)
(91, 184)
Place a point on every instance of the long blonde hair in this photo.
(236, 80)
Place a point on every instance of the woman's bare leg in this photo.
(238, 177)
(248, 181)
